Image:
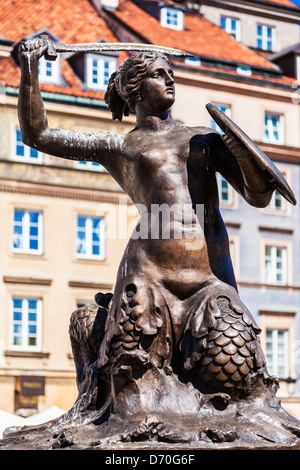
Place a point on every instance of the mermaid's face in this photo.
(157, 89)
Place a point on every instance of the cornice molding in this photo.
(285, 231)
(277, 313)
(27, 280)
(267, 286)
(27, 354)
(64, 192)
(282, 153)
(90, 285)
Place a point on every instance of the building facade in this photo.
(64, 237)
(67, 223)
(266, 26)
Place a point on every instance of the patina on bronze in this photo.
(173, 355)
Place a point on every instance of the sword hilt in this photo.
(50, 53)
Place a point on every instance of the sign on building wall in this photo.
(32, 386)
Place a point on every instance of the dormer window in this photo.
(193, 61)
(232, 26)
(242, 70)
(49, 71)
(265, 37)
(171, 18)
(98, 70)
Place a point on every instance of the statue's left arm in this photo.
(235, 163)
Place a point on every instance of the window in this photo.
(49, 70)
(275, 265)
(90, 237)
(277, 203)
(28, 231)
(192, 61)
(171, 18)
(274, 128)
(232, 26)
(265, 37)
(225, 190)
(278, 342)
(98, 70)
(26, 323)
(225, 108)
(25, 153)
(242, 70)
(94, 166)
(277, 352)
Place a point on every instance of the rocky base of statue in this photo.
(150, 408)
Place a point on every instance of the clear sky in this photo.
(297, 2)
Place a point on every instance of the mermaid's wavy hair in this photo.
(123, 90)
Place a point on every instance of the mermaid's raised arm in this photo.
(98, 147)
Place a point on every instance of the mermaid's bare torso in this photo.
(166, 262)
(174, 239)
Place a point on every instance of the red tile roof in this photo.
(71, 21)
(10, 74)
(285, 3)
(270, 80)
(74, 21)
(199, 37)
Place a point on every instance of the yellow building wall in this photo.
(61, 191)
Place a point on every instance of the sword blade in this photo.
(115, 46)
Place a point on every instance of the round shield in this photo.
(225, 123)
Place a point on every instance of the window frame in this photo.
(236, 34)
(234, 251)
(193, 61)
(101, 83)
(243, 70)
(226, 109)
(271, 207)
(55, 65)
(274, 245)
(223, 202)
(282, 319)
(88, 255)
(281, 134)
(179, 26)
(27, 158)
(25, 311)
(264, 37)
(274, 369)
(25, 224)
